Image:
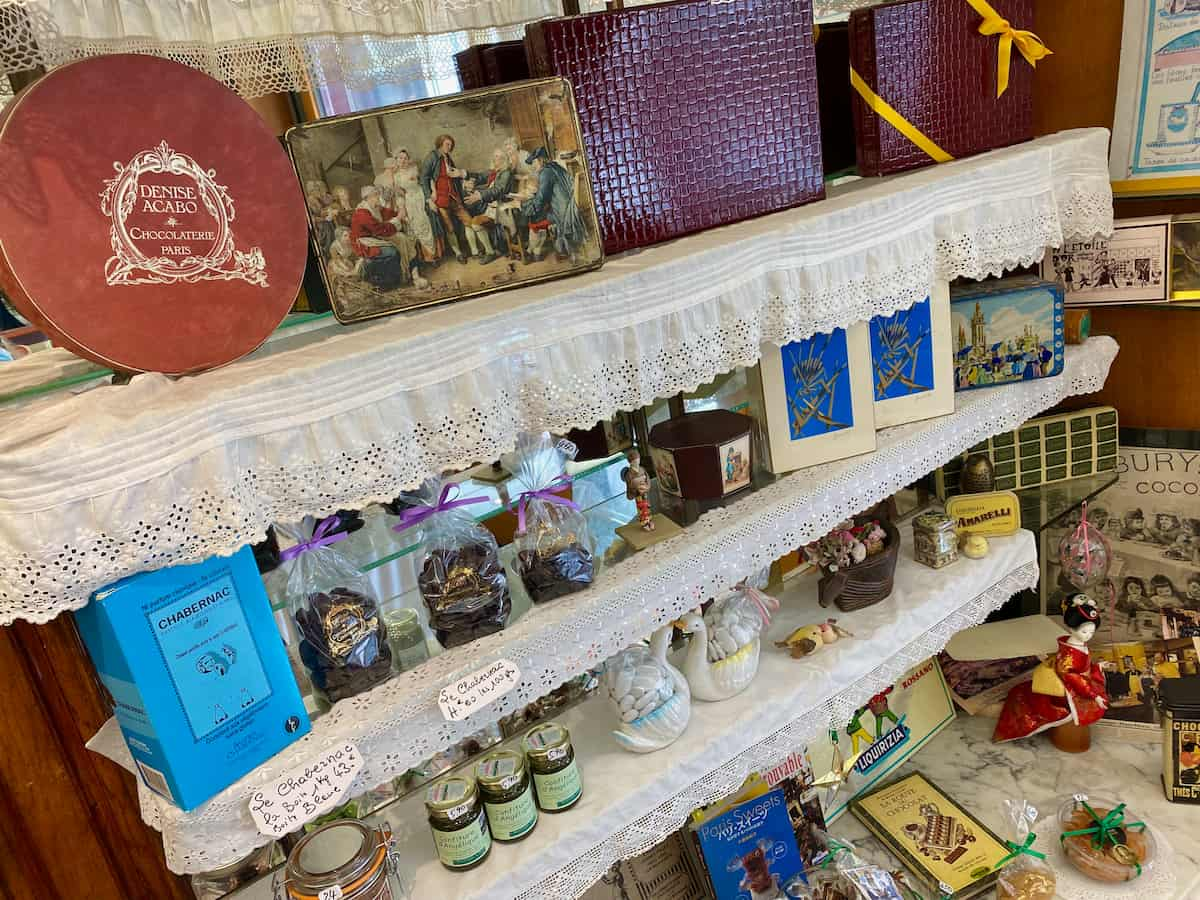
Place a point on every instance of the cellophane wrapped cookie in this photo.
(1104, 840)
(462, 580)
(1026, 876)
(342, 635)
(555, 550)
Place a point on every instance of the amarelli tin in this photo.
(1179, 699)
(149, 218)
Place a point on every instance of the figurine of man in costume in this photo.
(637, 488)
(1068, 689)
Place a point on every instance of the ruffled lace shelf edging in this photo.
(398, 724)
(159, 472)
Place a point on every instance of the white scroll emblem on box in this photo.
(175, 227)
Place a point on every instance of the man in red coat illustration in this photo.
(442, 184)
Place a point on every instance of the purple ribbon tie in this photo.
(414, 515)
(549, 494)
(321, 538)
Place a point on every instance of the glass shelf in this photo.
(84, 372)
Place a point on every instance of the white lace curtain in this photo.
(262, 46)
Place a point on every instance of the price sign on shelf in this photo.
(477, 690)
(305, 792)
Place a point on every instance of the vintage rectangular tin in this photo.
(1006, 330)
(1179, 700)
(443, 199)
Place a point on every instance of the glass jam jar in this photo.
(551, 758)
(348, 855)
(507, 795)
(460, 828)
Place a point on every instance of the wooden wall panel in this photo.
(1076, 87)
(70, 817)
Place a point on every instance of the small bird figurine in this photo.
(809, 639)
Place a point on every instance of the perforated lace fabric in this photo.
(269, 45)
(398, 724)
(278, 45)
(159, 472)
(663, 820)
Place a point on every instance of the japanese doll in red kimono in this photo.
(1067, 688)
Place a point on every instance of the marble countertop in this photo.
(979, 775)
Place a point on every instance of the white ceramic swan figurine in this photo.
(722, 656)
(651, 697)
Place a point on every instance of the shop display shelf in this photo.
(398, 724)
(158, 472)
(789, 703)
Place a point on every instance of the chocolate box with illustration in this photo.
(928, 61)
(1006, 330)
(694, 114)
(137, 235)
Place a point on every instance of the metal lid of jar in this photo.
(346, 853)
(452, 798)
(546, 740)
(500, 770)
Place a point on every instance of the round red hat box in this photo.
(149, 218)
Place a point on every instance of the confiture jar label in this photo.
(464, 847)
(559, 789)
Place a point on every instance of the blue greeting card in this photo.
(750, 851)
(816, 378)
(902, 352)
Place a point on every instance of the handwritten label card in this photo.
(305, 792)
(477, 690)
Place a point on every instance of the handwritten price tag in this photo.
(305, 792)
(477, 690)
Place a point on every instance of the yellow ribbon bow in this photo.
(1028, 43)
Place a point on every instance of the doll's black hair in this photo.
(1075, 614)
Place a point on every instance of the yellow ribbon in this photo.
(1028, 43)
(886, 112)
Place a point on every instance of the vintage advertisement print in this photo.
(1151, 518)
(439, 200)
(1157, 124)
(1129, 267)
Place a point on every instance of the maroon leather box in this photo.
(488, 64)
(694, 114)
(927, 59)
(149, 218)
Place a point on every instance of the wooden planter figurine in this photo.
(863, 582)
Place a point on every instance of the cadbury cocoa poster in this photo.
(1151, 518)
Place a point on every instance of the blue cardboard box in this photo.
(1006, 330)
(198, 673)
(750, 851)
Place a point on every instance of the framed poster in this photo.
(1156, 128)
(912, 361)
(1185, 258)
(1151, 518)
(1129, 267)
(817, 399)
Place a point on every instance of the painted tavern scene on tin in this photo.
(434, 201)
